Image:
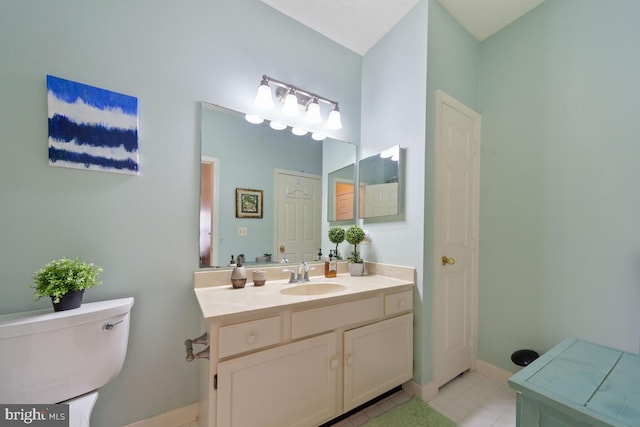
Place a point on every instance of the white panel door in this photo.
(298, 215)
(209, 183)
(455, 237)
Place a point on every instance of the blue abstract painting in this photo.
(92, 128)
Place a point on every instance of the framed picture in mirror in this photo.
(248, 203)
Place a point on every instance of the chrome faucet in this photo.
(292, 278)
(303, 272)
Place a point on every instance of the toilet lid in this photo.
(80, 409)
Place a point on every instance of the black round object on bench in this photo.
(524, 357)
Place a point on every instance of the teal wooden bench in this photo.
(579, 384)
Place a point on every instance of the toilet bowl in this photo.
(63, 357)
(80, 409)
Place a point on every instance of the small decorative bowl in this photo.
(238, 283)
(259, 277)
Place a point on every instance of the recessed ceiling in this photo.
(483, 18)
(355, 24)
(359, 24)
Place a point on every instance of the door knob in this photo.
(448, 261)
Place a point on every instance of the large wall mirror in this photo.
(379, 180)
(263, 192)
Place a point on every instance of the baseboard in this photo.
(493, 372)
(425, 392)
(175, 418)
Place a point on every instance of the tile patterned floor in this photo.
(471, 400)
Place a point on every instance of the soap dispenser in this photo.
(331, 266)
(238, 277)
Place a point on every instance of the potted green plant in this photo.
(355, 236)
(64, 281)
(336, 235)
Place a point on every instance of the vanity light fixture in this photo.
(299, 131)
(295, 100)
(252, 118)
(263, 98)
(291, 108)
(313, 112)
(334, 121)
(391, 153)
(317, 136)
(277, 125)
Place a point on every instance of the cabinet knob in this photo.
(333, 363)
(400, 303)
(251, 338)
(349, 360)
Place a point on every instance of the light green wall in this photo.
(393, 112)
(559, 238)
(142, 229)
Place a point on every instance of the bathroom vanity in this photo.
(578, 383)
(302, 354)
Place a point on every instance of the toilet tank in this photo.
(50, 357)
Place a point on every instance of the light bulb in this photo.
(277, 125)
(264, 99)
(299, 131)
(317, 136)
(333, 122)
(313, 112)
(291, 105)
(252, 118)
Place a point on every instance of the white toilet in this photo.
(63, 357)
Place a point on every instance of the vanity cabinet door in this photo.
(291, 385)
(377, 358)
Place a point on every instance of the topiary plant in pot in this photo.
(336, 235)
(355, 236)
(64, 281)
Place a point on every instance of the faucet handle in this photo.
(292, 278)
(306, 274)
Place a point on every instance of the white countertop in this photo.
(219, 301)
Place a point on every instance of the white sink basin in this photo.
(313, 289)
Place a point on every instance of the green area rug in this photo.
(411, 414)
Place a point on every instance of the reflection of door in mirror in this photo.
(380, 199)
(208, 208)
(344, 201)
(299, 207)
(340, 187)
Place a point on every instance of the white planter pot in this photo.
(356, 269)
